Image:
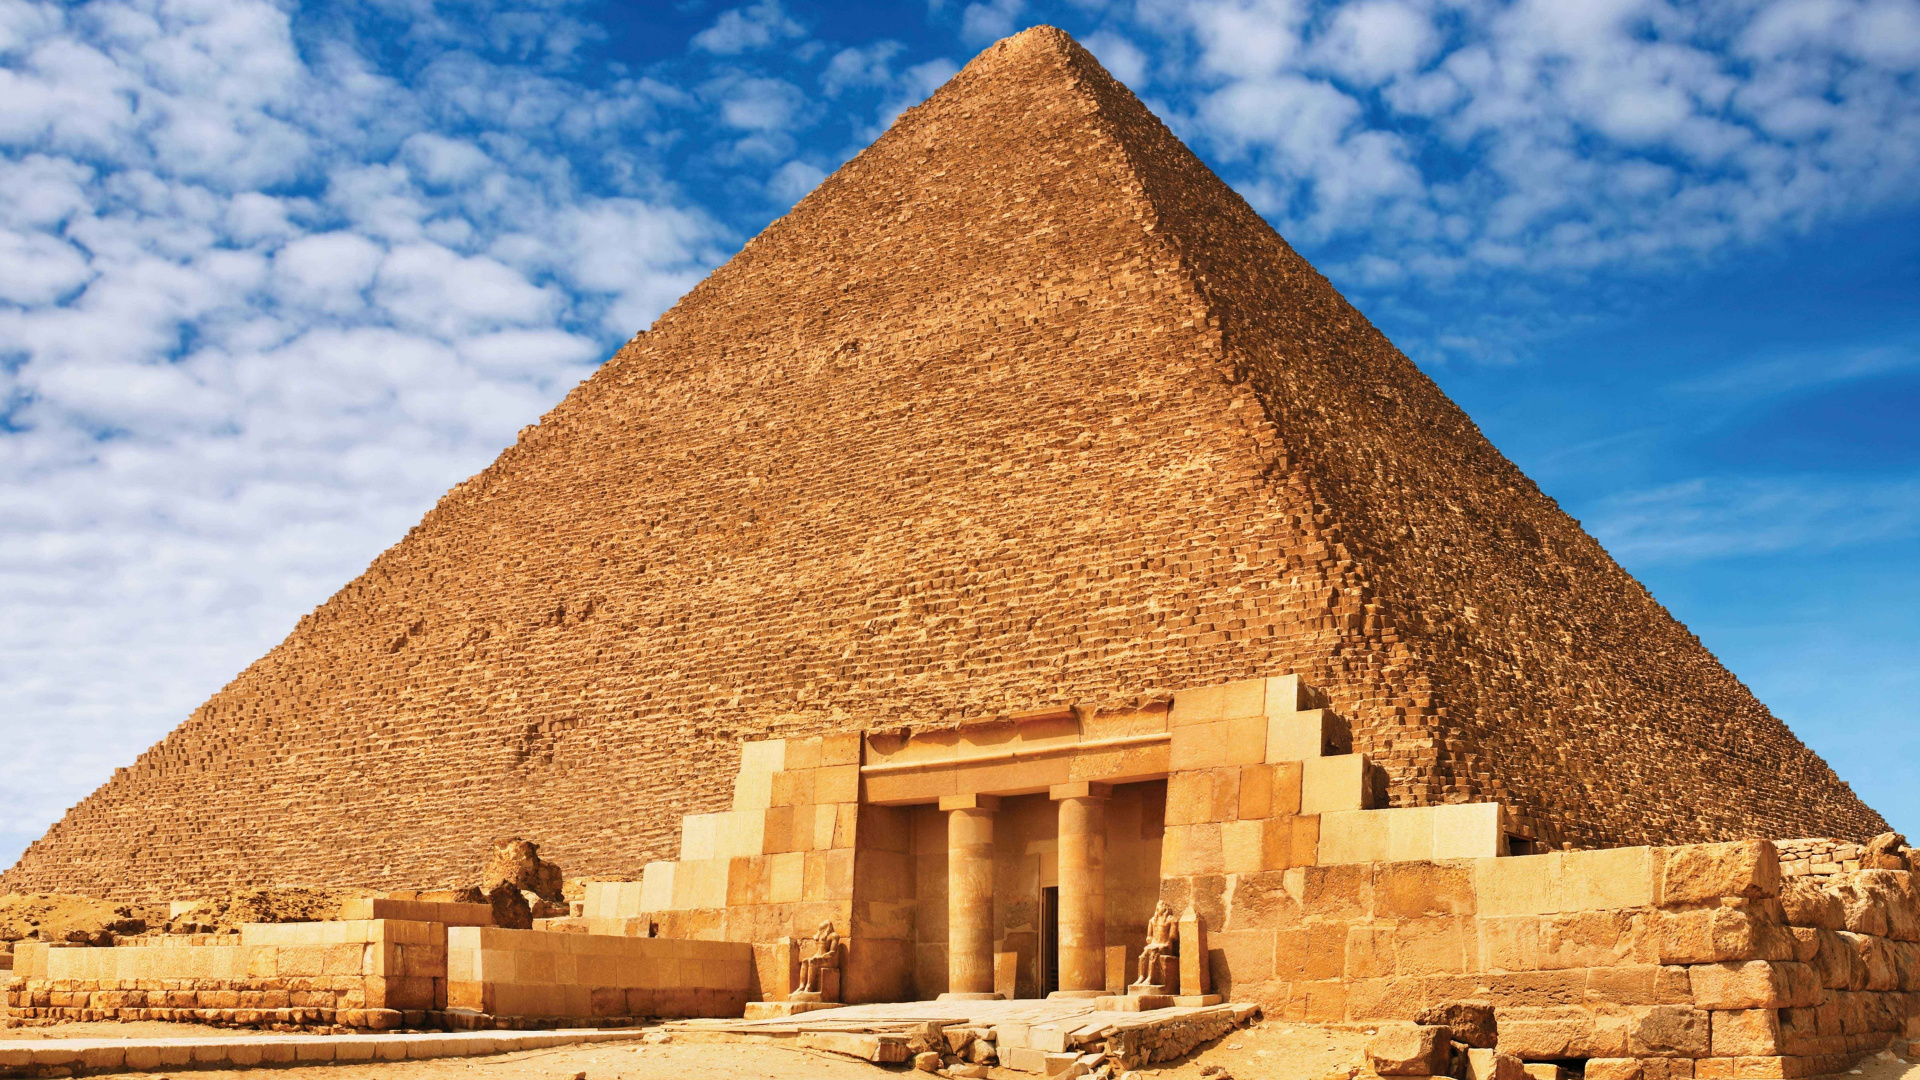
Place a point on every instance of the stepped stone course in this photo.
(1022, 406)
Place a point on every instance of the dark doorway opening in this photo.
(1049, 940)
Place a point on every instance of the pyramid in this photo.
(1023, 406)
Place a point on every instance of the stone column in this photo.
(1083, 889)
(969, 896)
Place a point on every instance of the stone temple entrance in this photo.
(990, 866)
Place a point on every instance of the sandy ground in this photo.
(1266, 1051)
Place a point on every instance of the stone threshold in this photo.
(63, 1057)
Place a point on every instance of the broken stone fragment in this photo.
(1410, 1050)
(516, 861)
(510, 908)
(1471, 1022)
(1888, 851)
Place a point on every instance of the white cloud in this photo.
(860, 66)
(1712, 518)
(1373, 41)
(759, 104)
(1119, 56)
(742, 29)
(793, 180)
(1543, 136)
(220, 398)
(989, 21)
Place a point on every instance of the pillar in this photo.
(969, 896)
(1083, 889)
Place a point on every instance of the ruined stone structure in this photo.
(1022, 409)
(1132, 867)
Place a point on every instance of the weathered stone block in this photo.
(1746, 1033)
(1401, 1049)
(1671, 1031)
(1755, 984)
(1699, 873)
(1471, 1022)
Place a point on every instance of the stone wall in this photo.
(1696, 956)
(1822, 856)
(374, 974)
(1021, 406)
(528, 974)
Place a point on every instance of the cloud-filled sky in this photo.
(273, 276)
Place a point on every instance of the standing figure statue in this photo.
(1158, 959)
(814, 968)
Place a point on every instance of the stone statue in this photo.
(1158, 959)
(814, 968)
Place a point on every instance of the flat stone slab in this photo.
(1042, 1026)
(20, 1057)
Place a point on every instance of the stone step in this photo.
(38, 1056)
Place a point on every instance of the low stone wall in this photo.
(377, 974)
(493, 972)
(1692, 955)
(1820, 855)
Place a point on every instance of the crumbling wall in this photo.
(1695, 957)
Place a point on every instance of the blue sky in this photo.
(274, 276)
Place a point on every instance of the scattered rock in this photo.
(510, 908)
(927, 1061)
(972, 1072)
(516, 862)
(1470, 1022)
(1410, 1050)
(1888, 851)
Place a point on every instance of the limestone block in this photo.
(1466, 830)
(656, 886)
(837, 784)
(1225, 701)
(1485, 1064)
(1409, 833)
(1544, 1033)
(1518, 885)
(1251, 847)
(1189, 797)
(699, 834)
(801, 754)
(1353, 836)
(1420, 890)
(1313, 733)
(1402, 1049)
(753, 785)
(1614, 1069)
(1808, 903)
(1255, 792)
(1702, 872)
(1755, 984)
(794, 787)
(1246, 740)
(1670, 1031)
(841, 748)
(1746, 1033)
(1290, 694)
(1333, 783)
(1198, 746)
(1607, 879)
(1470, 1022)
(1712, 935)
(1306, 840)
(739, 834)
(1435, 946)
(1284, 788)
(1196, 969)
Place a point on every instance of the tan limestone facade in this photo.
(1045, 855)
